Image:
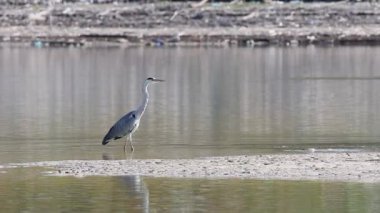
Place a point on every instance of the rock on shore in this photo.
(357, 167)
(166, 23)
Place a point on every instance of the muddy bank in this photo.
(357, 167)
(170, 24)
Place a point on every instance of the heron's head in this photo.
(154, 80)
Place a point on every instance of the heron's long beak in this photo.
(158, 80)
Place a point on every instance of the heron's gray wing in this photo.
(122, 127)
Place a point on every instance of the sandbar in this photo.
(352, 167)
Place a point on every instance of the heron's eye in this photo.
(133, 115)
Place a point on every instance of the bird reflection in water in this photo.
(135, 186)
(137, 189)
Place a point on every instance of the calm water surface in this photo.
(24, 190)
(57, 104)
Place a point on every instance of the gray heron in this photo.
(129, 123)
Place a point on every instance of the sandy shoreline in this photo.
(180, 24)
(356, 167)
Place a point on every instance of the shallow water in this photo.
(23, 190)
(57, 104)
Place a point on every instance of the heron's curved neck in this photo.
(145, 99)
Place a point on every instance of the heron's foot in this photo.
(132, 149)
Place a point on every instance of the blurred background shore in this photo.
(161, 23)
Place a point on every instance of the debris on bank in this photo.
(176, 24)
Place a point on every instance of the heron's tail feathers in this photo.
(109, 137)
(105, 141)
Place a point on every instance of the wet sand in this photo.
(356, 167)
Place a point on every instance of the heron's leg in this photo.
(125, 145)
(130, 141)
